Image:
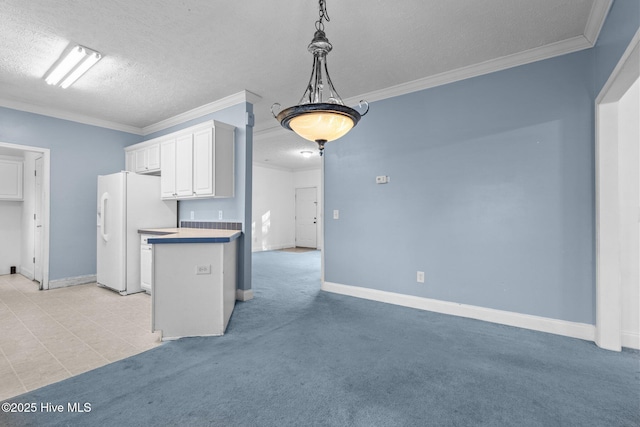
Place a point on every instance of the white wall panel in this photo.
(273, 222)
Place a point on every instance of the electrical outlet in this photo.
(382, 179)
(336, 214)
(420, 277)
(203, 269)
(219, 214)
(193, 215)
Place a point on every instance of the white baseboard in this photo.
(72, 281)
(242, 295)
(273, 247)
(27, 272)
(543, 324)
(631, 340)
(4, 271)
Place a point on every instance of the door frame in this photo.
(608, 333)
(46, 165)
(38, 213)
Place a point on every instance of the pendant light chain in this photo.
(322, 11)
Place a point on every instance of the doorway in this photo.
(617, 199)
(34, 247)
(307, 217)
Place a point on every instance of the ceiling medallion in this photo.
(320, 116)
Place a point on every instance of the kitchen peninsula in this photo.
(194, 280)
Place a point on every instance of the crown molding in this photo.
(212, 107)
(597, 16)
(244, 96)
(65, 115)
(514, 60)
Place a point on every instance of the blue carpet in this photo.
(296, 356)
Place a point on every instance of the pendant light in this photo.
(320, 116)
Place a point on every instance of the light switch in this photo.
(336, 214)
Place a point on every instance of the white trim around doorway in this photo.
(46, 154)
(608, 282)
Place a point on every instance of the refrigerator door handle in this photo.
(103, 210)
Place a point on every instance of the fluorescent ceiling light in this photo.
(81, 69)
(75, 64)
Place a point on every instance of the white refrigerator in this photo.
(127, 202)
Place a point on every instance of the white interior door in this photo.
(306, 217)
(38, 221)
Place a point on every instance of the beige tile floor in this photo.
(47, 336)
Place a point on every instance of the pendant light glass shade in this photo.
(320, 116)
(325, 126)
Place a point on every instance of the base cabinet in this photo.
(194, 291)
(146, 265)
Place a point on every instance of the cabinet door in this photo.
(10, 180)
(130, 161)
(168, 166)
(184, 166)
(203, 174)
(141, 160)
(153, 157)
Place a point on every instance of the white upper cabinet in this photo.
(11, 179)
(199, 163)
(168, 169)
(130, 162)
(184, 166)
(147, 159)
(203, 179)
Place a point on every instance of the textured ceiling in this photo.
(165, 57)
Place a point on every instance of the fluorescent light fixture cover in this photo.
(75, 64)
(81, 69)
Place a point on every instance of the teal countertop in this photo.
(189, 235)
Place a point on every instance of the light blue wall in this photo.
(618, 30)
(79, 153)
(491, 192)
(237, 208)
